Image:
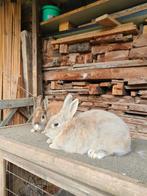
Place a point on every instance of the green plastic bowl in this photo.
(49, 11)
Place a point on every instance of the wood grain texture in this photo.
(2, 175)
(138, 53)
(27, 61)
(41, 155)
(1, 53)
(36, 61)
(10, 64)
(16, 103)
(127, 28)
(107, 20)
(97, 74)
(77, 16)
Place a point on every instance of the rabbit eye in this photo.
(43, 117)
(56, 124)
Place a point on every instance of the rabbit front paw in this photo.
(53, 146)
(96, 155)
(49, 141)
(32, 130)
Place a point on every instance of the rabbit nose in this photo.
(36, 126)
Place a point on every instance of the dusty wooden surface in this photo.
(132, 165)
(125, 175)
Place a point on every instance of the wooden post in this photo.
(36, 62)
(2, 175)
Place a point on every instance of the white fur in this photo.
(96, 132)
(47, 110)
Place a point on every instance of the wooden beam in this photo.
(135, 14)
(86, 13)
(27, 61)
(63, 164)
(2, 51)
(57, 179)
(24, 113)
(107, 20)
(111, 64)
(2, 175)
(125, 28)
(64, 26)
(8, 118)
(36, 62)
(16, 103)
(95, 74)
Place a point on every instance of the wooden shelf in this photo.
(87, 13)
(125, 28)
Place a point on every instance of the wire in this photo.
(29, 183)
(13, 80)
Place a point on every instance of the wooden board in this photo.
(107, 20)
(27, 61)
(23, 102)
(112, 64)
(111, 73)
(65, 26)
(108, 175)
(1, 53)
(36, 61)
(138, 53)
(135, 14)
(125, 28)
(91, 11)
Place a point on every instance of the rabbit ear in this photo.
(45, 103)
(39, 101)
(72, 108)
(67, 102)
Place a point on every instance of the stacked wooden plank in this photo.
(105, 69)
(77, 16)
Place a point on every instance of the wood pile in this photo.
(105, 65)
(105, 70)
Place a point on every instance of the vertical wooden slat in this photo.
(37, 74)
(10, 56)
(1, 53)
(16, 65)
(17, 76)
(2, 176)
(27, 61)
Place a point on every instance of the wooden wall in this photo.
(10, 63)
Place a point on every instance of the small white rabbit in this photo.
(44, 111)
(96, 132)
